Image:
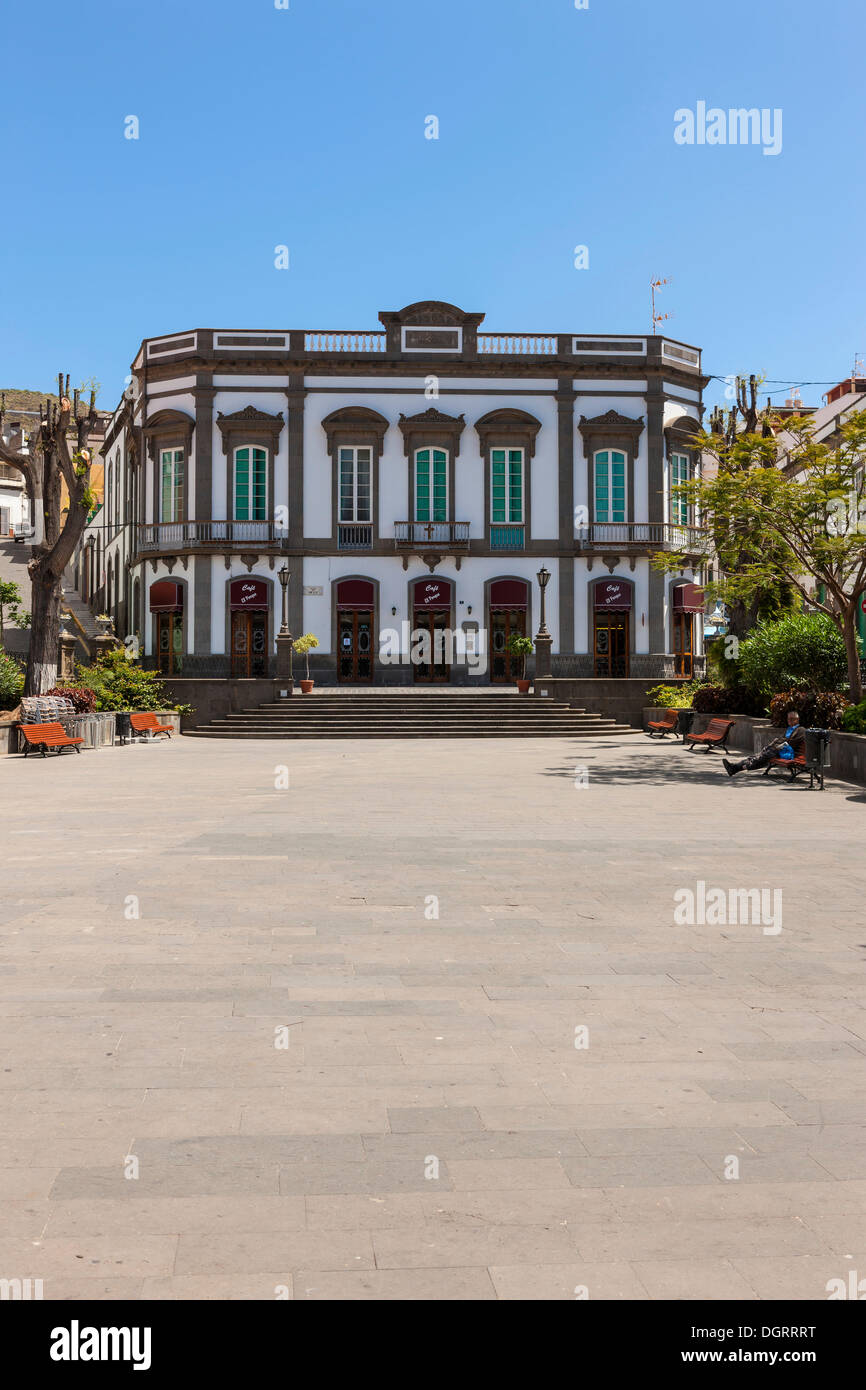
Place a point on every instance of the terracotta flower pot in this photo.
(307, 687)
(523, 686)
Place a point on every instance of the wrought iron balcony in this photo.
(355, 535)
(430, 534)
(507, 536)
(642, 536)
(188, 535)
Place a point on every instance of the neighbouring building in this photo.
(412, 478)
(22, 414)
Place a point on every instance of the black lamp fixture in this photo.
(543, 578)
(284, 578)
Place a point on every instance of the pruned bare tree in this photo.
(56, 452)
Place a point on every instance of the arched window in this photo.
(609, 486)
(250, 483)
(431, 485)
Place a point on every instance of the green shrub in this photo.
(11, 681)
(672, 696)
(803, 651)
(119, 683)
(819, 709)
(726, 699)
(854, 719)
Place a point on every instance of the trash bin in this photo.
(685, 721)
(817, 753)
(124, 727)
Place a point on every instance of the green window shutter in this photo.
(617, 486)
(602, 487)
(364, 486)
(242, 485)
(515, 485)
(260, 485)
(497, 498)
(679, 475)
(422, 485)
(440, 485)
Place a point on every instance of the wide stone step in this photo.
(398, 732)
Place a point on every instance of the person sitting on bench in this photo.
(793, 745)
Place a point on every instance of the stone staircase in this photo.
(82, 623)
(412, 714)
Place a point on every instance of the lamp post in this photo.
(285, 650)
(543, 639)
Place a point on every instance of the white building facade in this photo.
(411, 479)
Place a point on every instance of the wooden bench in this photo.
(665, 726)
(714, 736)
(794, 766)
(149, 724)
(45, 736)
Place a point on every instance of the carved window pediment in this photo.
(432, 427)
(680, 436)
(355, 424)
(250, 425)
(511, 428)
(610, 431)
(168, 428)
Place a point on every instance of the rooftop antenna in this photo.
(657, 285)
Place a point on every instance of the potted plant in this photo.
(520, 647)
(303, 646)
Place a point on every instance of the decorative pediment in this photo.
(166, 428)
(610, 431)
(250, 425)
(432, 427)
(681, 434)
(355, 424)
(511, 428)
(432, 313)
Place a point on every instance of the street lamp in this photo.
(543, 639)
(543, 578)
(284, 578)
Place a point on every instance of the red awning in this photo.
(248, 593)
(509, 593)
(355, 593)
(612, 594)
(688, 598)
(166, 597)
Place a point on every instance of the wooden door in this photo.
(434, 623)
(250, 644)
(355, 646)
(504, 623)
(169, 643)
(684, 641)
(611, 645)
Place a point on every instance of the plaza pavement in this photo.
(420, 1045)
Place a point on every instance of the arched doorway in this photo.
(431, 623)
(611, 603)
(508, 603)
(166, 605)
(249, 605)
(356, 606)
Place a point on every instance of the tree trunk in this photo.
(849, 632)
(44, 632)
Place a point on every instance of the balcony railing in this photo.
(339, 341)
(166, 535)
(642, 535)
(506, 537)
(355, 535)
(517, 344)
(431, 533)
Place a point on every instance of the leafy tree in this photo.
(800, 526)
(10, 606)
(803, 650)
(57, 452)
(11, 681)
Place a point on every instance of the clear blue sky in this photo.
(305, 127)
